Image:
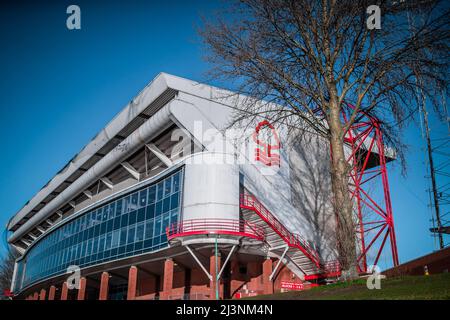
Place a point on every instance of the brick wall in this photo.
(437, 262)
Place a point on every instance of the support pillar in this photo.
(267, 271)
(36, 296)
(214, 268)
(168, 280)
(42, 294)
(64, 291)
(235, 283)
(132, 282)
(51, 293)
(104, 286)
(187, 281)
(82, 289)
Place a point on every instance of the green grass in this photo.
(403, 288)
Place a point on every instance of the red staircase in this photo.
(278, 237)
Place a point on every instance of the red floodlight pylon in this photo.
(374, 218)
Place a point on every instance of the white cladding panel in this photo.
(211, 191)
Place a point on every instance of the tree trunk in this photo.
(342, 202)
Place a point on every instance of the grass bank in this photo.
(406, 288)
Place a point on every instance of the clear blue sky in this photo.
(58, 88)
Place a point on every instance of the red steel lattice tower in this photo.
(374, 219)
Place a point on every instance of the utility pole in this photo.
(433, 176)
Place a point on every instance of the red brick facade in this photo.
(245, 280)
(82, 289)
(237, 280)
(64, 291)
(42, 294)
(167, 280)
(104, 286)
(51, 293)
(436, 262)
(132, 283)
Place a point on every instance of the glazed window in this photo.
(132, 224)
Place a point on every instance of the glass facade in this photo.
(127, 226)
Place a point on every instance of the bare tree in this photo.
(308, 58)
(7, 269)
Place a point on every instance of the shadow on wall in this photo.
(303, 194)
(311, 191)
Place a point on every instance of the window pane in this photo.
(101, 243)
(105, 213)
(83, 250)
(141, 215)
(123, 236)
(95, 246)
(134, 201)
(149, 229)
(132, 217)
(127, 204)
(151, 194)
(108, 241)
(167, 187)
(157, 231)
(89, 247)
(89, 220)
(150, 212)
(166, 220)
(160, 191)
(174, 201)
(112, 208)
(158, 208)
(119, 207)
(143, 198)
(83, 223)
(176, 182)
(140, 232)
(174, 217)
(115, 238)
(166, 204)
(99, 216)
(124, 220)
(131, 232)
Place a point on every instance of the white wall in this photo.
(211, 191)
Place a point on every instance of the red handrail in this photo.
(215, 226)
(250, 202)
(332, 266)
(330, 269)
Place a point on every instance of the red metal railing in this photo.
(192, 227)
(330, 269)
(249, 202)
